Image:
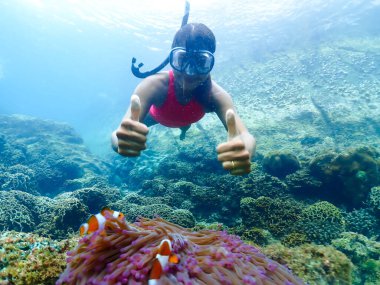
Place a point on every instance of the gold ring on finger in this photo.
(233, 164)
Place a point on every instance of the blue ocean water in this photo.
(304, 77)
(70, 60)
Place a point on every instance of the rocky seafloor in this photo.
(311, 202)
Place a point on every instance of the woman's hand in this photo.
(235, 154)
(130, 138)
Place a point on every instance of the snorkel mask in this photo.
(191, 62)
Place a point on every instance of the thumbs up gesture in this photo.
(234, 154)
(131, 134)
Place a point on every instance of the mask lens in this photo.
(204, 62)
(178, 59)
(199, 62)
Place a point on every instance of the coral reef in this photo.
(42, 157)
(302, 184)
(294, 239)
(124, 253)
(363, 221)
(280, 164)
(132, 211)
(364, 253)
(206, 202)
(63, 218)
(276, 215)
(321, 222)
(27, 259)
(258, 184)
(338, 110)
(16, 214)
(374, 200)
(96, 198)
(315, 264)
(357, 247)
(348, 177)
(18, 177)
(257, 236)
(56, 218)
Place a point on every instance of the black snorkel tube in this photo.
(136, 70)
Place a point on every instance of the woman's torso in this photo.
(174, 106)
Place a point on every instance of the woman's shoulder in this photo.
(155, 86)
(158, 79)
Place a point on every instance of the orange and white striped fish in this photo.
(163, 257)
(96, 222)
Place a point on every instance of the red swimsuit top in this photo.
(172, 113)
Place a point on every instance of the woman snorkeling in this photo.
(181, 96)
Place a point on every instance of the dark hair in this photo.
(195, 36)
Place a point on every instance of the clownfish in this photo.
(96, 222)
(163, 257)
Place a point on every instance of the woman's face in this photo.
(190, 82)
(191, 67)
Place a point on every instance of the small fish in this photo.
(96, 222)
(163, 257)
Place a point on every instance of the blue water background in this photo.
(70, 60)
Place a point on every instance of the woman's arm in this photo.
(235, 154)
(129, 139)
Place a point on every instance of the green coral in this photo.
(182, 217)
(257, 236)
(258, 184)
(276, 215)
(321, 222)
(96, 198)
(370, 270)
(315, 264)
(374, 199)
(349, 176)
(362, 221)
(294, 239)
(55, 218)
(280, 164)
(358, 247)
(133, 211)
(15, 214)
(303, 184)
(209, 226)
(364, 253)
(18, 177)
(62, 216)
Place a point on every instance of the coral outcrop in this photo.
(280, 164)
(348, 177)
(321, 222)
(315, 264)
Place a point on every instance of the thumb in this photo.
(135, 107)
(231, 124)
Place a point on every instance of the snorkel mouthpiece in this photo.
(136, 69)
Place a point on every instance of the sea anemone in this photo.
(124, 253)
